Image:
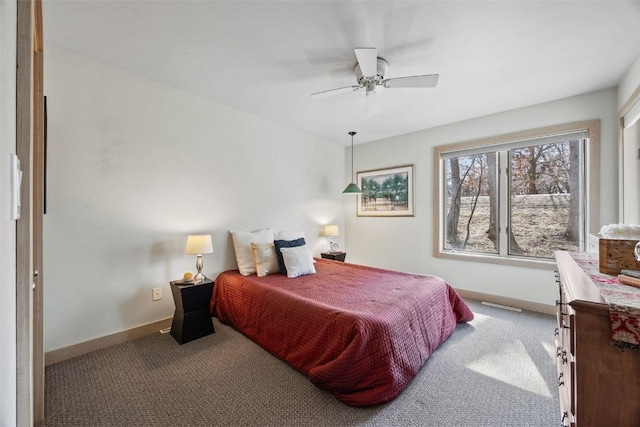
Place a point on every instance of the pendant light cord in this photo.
(352, 176)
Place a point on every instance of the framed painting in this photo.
(386, 192)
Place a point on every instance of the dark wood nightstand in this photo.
(338, 256)
(192, 318)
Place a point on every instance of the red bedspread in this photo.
(358, 332)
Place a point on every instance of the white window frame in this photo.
(591, 197)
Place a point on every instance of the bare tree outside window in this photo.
(543, 200)
(469, 211)
(545, 185)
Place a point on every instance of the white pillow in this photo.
(264, 255)
(298, 261)
(242, 245)
(288, 235)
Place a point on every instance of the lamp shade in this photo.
(352, 189)
(330, 230)
(199, 244)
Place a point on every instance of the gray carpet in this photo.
(497, 370)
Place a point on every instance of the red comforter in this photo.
(360, 333)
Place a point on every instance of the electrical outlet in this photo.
(157, 294)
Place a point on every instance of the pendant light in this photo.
(352, 188)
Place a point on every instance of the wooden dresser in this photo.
(599, 384)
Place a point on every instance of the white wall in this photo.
(629, 83)
(7, 227)
(135, 166)
(406, 243)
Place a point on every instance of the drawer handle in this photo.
(556, 332)
(562, 354)
(560, 380)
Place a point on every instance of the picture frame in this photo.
(386, 192)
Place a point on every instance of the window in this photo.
(518, 198)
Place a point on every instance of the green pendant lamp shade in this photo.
(352, 188)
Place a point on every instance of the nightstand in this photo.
(192, 318)
(337, 256)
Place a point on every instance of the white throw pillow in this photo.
(242, 245)
(298, 261)
(264, 255)
(288, 235)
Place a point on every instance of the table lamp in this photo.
(331, 231)
(198, 245)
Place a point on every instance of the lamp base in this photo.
(199, 274)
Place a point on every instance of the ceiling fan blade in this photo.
(427, 80)
(337, 91)
(368, 60)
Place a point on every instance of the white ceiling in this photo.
(266, 57)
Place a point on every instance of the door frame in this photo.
(30, 151)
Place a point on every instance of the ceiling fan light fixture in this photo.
(375, 79)
(371, 88)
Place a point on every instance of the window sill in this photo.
(543, 264)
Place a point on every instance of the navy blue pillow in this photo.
(286, 244)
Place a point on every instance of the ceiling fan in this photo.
(370, 71)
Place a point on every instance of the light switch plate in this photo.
(15, 181)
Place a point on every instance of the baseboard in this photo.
(79, 349)
(511, 302)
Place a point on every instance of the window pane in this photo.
(471, 203)
(544, 205)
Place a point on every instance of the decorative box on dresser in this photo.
(598, 383)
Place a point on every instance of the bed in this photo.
(360, 333)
